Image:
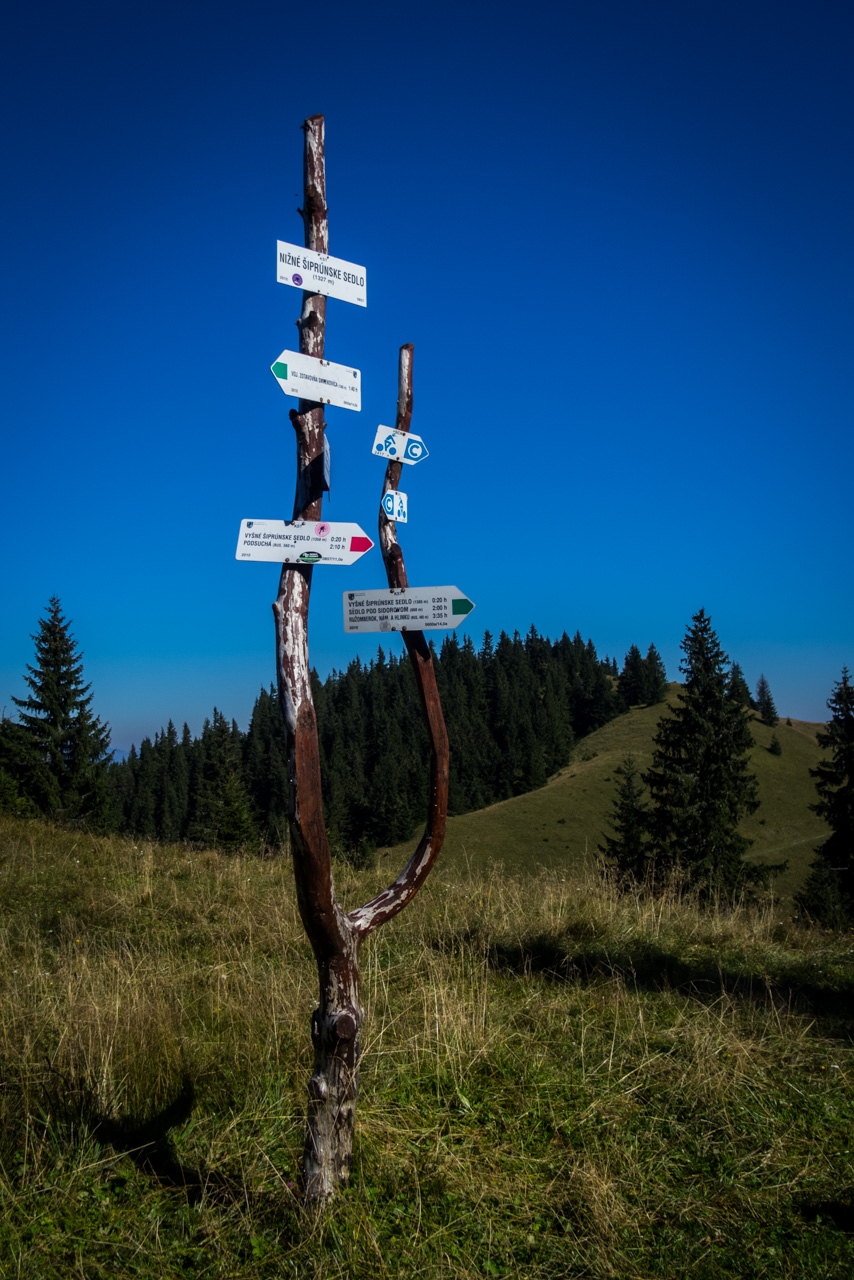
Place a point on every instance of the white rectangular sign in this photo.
(406, 609)
(320, 380)
(301, 542)
(318, 273)
(399, 446)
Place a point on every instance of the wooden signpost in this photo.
(336, 935)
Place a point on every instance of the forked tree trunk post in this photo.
(336, 935)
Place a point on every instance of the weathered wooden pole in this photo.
(416, 645)
(336, 936)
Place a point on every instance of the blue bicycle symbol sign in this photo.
(395, 505)
(399, 446)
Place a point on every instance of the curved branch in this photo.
(395, 897)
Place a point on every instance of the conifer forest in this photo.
(513, 709)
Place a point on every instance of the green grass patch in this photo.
(557, 1081)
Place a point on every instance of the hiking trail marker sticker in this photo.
(405, 609)
(319, 380)
(318, 273)
(395, 505)
(301, 542)
(399, 446)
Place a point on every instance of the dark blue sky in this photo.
(619, 235)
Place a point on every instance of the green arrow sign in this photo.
(405, 609)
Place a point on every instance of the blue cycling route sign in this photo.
(399, 446)
(396, 506)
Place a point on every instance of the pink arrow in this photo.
(360, 544)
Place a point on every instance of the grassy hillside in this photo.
(561, 825)
(557, 1082)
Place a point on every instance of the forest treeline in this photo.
(513, 710)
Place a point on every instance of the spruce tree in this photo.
(628, 847)
(654, 677)
(828, 894)
(765, 703)
(737, 687)
(631, 680)
(220, 811)
(172, 792)
(265, 767)
(593, 700)
(58, 751)
(142, 820)
(700, 785)
(122, 785)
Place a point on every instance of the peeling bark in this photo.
(334, 1085)
(336, 936)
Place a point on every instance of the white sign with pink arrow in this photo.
(301, 542)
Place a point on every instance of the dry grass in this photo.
(558, 1080)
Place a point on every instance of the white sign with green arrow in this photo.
(405, 609)
(318, 380)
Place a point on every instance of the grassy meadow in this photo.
(562, 824)
(557, 1081)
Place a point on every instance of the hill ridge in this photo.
(563, 822)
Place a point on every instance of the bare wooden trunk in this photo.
(336, 1023)
(336, 1031)
(336, 936)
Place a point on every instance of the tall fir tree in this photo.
(737, 687)
(631, 680)
(58, 751)
(220, 811)
(172, 793)
(765, 703)
(654, 677)
(265, 766)
(145, 769)
(828, 895)
(628, 847)
(700, 784)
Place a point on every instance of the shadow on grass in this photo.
(839, 1211)
(149, 1144)
(650, 967)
